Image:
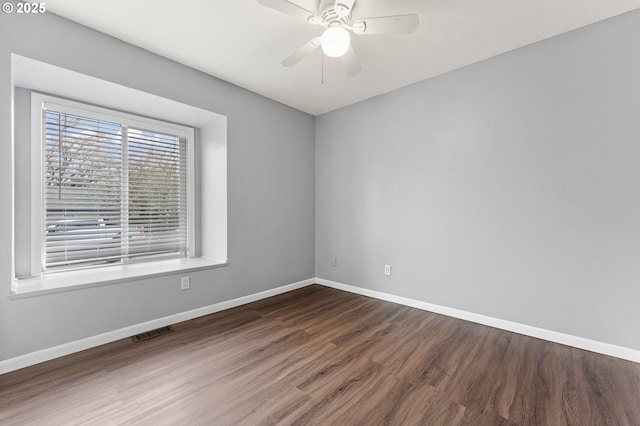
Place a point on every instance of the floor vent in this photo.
(151, 334)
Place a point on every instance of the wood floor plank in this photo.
(320, 356)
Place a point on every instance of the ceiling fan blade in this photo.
(288, 8)
(302, 52)
(400, 24)
(351, 62)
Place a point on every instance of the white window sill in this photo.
(94, 277)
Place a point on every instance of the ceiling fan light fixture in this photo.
(335, 42)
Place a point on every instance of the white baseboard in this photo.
(43, 355)
(527, 330)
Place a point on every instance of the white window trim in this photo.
(211, 186)
(41, 102)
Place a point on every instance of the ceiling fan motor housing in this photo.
(333, 13)
(342, 9)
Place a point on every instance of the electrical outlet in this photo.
(184, 283)
(334, 262)
(387, 270)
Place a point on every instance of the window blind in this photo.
(112, 193)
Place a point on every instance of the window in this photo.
(114, 188)
(204, 133)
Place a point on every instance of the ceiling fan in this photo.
(335, 17)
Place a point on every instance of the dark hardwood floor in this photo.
(322, 356)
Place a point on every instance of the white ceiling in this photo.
(243, 42)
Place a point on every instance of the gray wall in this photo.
(509, 188)
(270, 190)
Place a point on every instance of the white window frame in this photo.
(40, 102)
